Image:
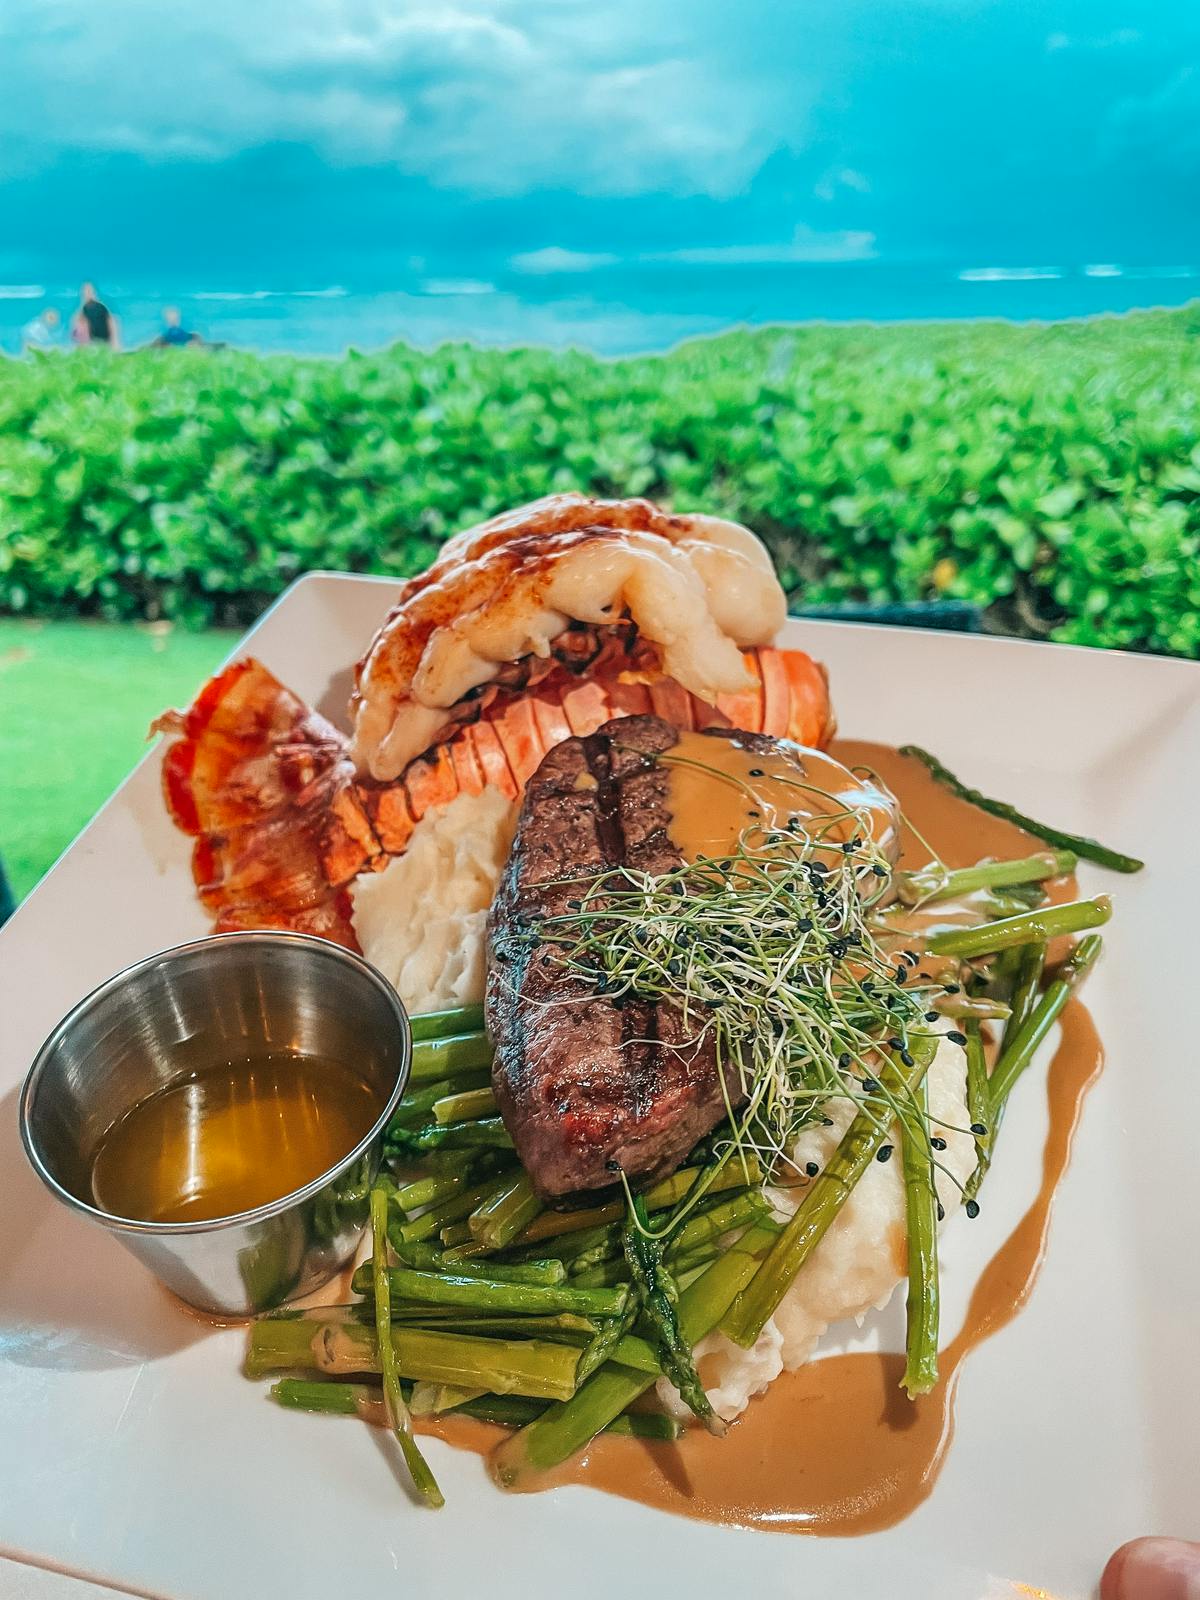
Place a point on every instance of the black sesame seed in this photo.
(895, 1043)
(811, 1168)
(880, 872)
(757, 772)
(849, 847)
(906, 1058)
(972, 1208)
(938, 1144)
(952, 988)
(933, 1016)
(955, 1037)
(884, 1153)
(979, 1130)
(901, 974)
(612, 1165)
(941, 1212)
(870, 1085)
(844, 1060)
(754, 813)
(805, 925)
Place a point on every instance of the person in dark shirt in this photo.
(94, 323)
(174, 334)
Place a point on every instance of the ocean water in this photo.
(614, 311)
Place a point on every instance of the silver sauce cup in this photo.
(152, 1026)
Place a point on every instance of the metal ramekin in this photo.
(151, 1026)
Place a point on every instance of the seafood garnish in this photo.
(544, 584)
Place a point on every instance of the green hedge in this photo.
(1052, 474)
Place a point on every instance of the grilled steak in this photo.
(588, 1084)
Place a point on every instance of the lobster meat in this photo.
(283, 823)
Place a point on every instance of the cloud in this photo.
(533, 141)
(805, 245)
(554, 259)
(490, 97)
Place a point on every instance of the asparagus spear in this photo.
(431, 1399)
(397, 1412)
(366, 1400)
(461, 1205)
(545, 1274)
(609, 1336)
(658, 1298)
(418, 1103)
(487, 1134)
(450, 1057)
(552, 1224)
(1019, 1050)
(935, 882)
(441, 1024)
(979, 1106)
(822, 1202)
(710, 1226)
(562, 1430)
(921, 1205)
(1089, 849)
(466, 1104)
(482, 1294)
(1028, 980)
(1026, 928)
(535, 1367)
(433, 1188)
(498, 1220)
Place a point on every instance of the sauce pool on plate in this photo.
(835, 1448)
(232, 1136)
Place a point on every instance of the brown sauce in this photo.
(719, 789)
(836, 1448)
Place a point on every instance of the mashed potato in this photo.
(421, 920)
(860, 1261)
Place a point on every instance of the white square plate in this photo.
(133, 1452)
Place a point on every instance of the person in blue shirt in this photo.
(174, 335)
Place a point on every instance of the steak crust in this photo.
(589, 1085)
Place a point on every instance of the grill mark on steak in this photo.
(590, 1084)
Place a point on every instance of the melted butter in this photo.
(836, 1448)
(719, 788)
(234, 1136)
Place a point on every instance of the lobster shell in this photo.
(282, 824)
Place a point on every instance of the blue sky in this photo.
(534, 140)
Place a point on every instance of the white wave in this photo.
(336, 292)
(441, 286)
(1007, 274)
(1163, 272)
(21, 291)
(1103, 269)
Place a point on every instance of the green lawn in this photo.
(76, 699)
